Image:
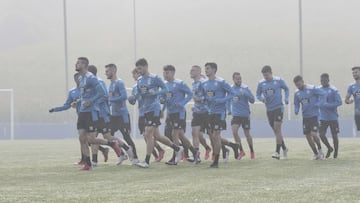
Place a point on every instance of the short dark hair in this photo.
(141, 62)
(84, 59)
(196, 66)
(212, 65)
(169, 68)
(325, 75)
(134, 71)
(266, 69)
(111, 65)
(92, 69)
(297, 78)
(355, 68)
(235, 74)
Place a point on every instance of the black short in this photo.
(357, 122)
(275, 116)
(120, 123)
(152, 119)
(141, 124)
(85, 122)
(217, 122)
(200, 119)
(102, 126)
(310, 125)
(177, 122)
(334, 127)
(241, 121)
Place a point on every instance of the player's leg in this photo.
(307, 130)
(322, 133)
(314, 127)
(234, 146)
(125, 130)
(277, 117)
(94, 153)
(235, 125)
(246, 128)
(216, 148)
(85, 149)
(85, 126)
(195, 131)
(334, 127)
(217, 123)
(141, 126)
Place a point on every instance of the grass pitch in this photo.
(43, 171)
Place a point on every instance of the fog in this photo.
(239, 35)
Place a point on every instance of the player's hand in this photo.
(196, 98)
(349, 101)
(51, 110)
(286, 102)
(152, 92)
(87, 103)
(74, 104)
(132, 97)
(229, 113)
(162, 100)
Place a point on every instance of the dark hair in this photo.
(111, 65)
(92, 69)
(141, 62)
(169, 68)
(325, 75)
(266, 69)
(355, 68)
(134, 71)
(298, 78)
(235, 73)
(197, 66)
(212, 65)
(84, 59)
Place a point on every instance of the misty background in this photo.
(239, 35)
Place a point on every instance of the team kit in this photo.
(103, 110)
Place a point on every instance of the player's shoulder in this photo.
(74, 90)
(178, 81)
(309, 86)
(245, 86)
(333, 88)
(297, 92)
(352, 85)
(219, 79)
(119, 81)
(262, 81)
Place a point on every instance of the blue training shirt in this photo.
(73, 96)
(133, 101)
(354, 90)
(177, 96)
(149, 88)
(216, 93)
(104, 109)
(117, 99)
(199, 106)
(239, 104)
(328, 111)
(90, 90)
(310, 98)
(269, 92)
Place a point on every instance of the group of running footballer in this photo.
(103, 110)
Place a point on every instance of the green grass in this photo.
(43, 171)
